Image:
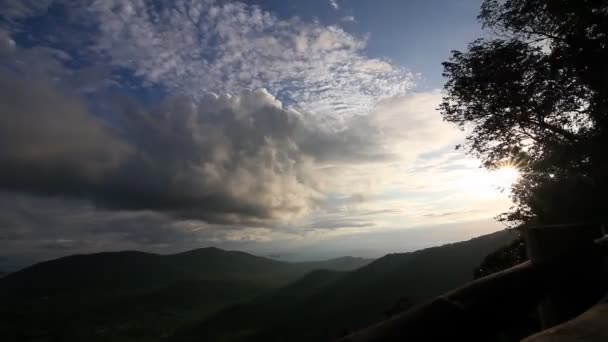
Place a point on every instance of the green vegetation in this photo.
(214, 295)
(135, 296)
(336, 303)
(506, 257)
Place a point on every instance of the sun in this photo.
(492, 183)
(505, 176)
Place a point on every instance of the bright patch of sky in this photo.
(265, 125)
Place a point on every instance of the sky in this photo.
(294, 129)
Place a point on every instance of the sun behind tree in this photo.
(537, 92)
(505, 176)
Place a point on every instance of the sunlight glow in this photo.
(491, 183)
(506, 176)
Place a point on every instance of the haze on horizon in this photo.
(298, 130)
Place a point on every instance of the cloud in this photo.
(401, 129)
(49, 139)
(53, 227)
(240, 160)
(334, 4)
(195, 47)
(419, 180)
(180, 124)
(243, 159)
(37, 228)
(7, 44)
(238, 166)
(227, 159)
(332, 223)
(17, 9)
(230, 159)
(49, 224)
(221, 159)
(47, 227)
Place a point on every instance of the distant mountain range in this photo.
(210, 294)
(123, 295)
(325, 304)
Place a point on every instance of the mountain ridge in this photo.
(69, 298)
(352, 300)
(209, 294)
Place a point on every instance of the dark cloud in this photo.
(50, 141)
(62, 245)
(42, 228)
(222, 159)
(340, 223)
(241, 159)
(34, 225)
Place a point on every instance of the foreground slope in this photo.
(349, 301)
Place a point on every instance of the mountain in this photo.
(210, 294)
(324, 305)
(137, 296)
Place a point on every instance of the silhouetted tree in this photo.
(536, 95)
(506, 257)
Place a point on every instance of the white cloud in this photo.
(195, 47)
(403, 128)
(334, 127)
(424, 181)
(334, 4)
(243, 159)
(348, 19)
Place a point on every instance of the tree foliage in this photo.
(504, 258)
(536, 95)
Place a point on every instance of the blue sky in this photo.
(416, 34)
(300, 128)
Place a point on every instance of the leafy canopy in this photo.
(536, 95)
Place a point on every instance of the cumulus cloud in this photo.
(242, 159)
(49, 139)
(221, 159)
(315, 139)
(235, 160)
(229, 159)
(224, 159)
